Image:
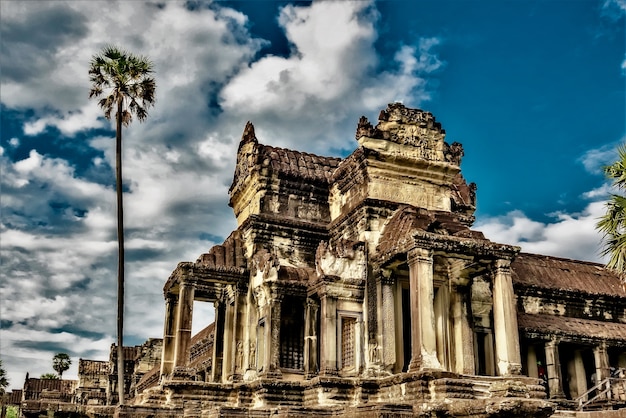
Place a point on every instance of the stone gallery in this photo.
(357, 286)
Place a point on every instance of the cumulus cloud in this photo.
(58, 222)
(569, 235)
(299, 97)
(595, 159)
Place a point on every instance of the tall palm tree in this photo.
(4, 382)
(60, 363)
(613, 223)
(124, 83)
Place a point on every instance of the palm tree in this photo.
(4, 382)
(123, 82)
(613, 223)
(60, 363)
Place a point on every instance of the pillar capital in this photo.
(384, 276)
(502, 266)
(420, 255)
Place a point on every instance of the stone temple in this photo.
(357, 287)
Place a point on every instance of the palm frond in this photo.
(122, 74)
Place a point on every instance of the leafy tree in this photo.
(49, 376)
(4, 381)
(60, 363)
(613, 223)
(12, 411)
(124, 84)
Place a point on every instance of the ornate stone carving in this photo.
(482, 298)
(365, 128)
(248, 132)
(263, 261)
(374, 352)
(453, 153)
(346, 260)
(239, 356)
(252, 355)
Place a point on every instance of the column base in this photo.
(415, 365)
(271, 374)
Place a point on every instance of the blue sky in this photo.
(534, 90)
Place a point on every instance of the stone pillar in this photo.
(387, 321)
(310, 339)
(227, 352)
(218, 342)
(601, 358)
(553, 368)
(463, 335)
(169, 334)
(328, 349)
(272, 338)
(531, 360)
(183, 328)
(237, 348)
(508, 356)
(423, 335)
(442, 325)
(578, 377)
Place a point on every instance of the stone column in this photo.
(183, 328)
(423, 335)
(578, 377)
(272, 338)
(227, 352)
(310, 339)
(218, 343)
(387, 317)
(237, 342)
(508, 356)
(328, 349)
(553, 368)
(463, 335)
(601, 358)
(531, 360)
(442, 325)
(169, 334)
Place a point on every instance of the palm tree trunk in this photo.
(120, 246)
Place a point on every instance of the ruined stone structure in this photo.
(357, 286)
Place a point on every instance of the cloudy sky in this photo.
(535, 91)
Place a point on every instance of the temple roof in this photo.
(93, 367)
(398, 233)
(33, 387)
(297, 164)
(572, 327)
(569, 275)
(201, 346)
(253, 156)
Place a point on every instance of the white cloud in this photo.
(58, 221)
(595, 159)
(570, 235)
(311, 104)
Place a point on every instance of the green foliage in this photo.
(49, 376)
(4, 381)
(120, 76)
(60, 363)
(613, 223)
(12, 411)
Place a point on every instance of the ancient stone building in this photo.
(93, 382)
(357, 286)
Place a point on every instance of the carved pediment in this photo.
(415, 128)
